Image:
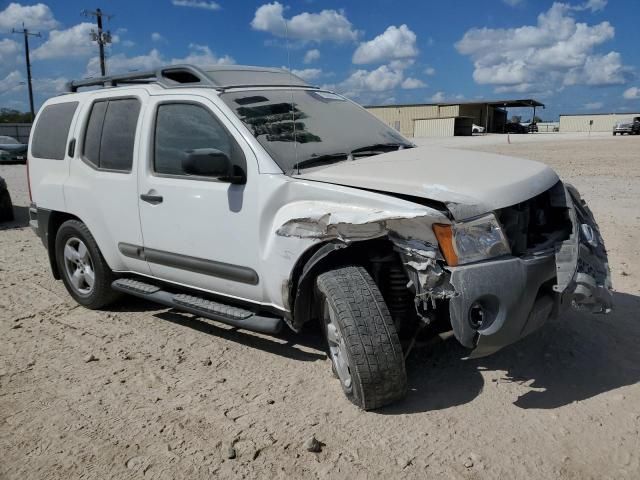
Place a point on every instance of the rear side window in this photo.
(111, 133)
(51, 132)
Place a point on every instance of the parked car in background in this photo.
(630, 127)
(477, 128)
(6, 207)
(515, 127)
(11, 150)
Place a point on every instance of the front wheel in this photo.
(363, 344)
(84, 271)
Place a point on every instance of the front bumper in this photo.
(500, 301)
(623, 130)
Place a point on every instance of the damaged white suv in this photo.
(246, 196)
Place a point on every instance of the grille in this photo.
(538, 223)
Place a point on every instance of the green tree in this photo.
(9, 115)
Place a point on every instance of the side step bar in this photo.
(234, 316)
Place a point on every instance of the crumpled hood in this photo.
(469, 183)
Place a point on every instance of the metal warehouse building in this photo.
(602, 122)
(448, 119)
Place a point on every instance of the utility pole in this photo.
(101, 37)
(26, 34)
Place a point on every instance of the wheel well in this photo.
(324, 257)
(53, 224)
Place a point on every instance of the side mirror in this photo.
(206, 162)
(210, 162)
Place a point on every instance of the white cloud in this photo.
(632, 93)
(437, 97)
(593, 105)
(308, 74)
(157, 37)
(13, 82)
(430, 71)
(329, 25)
(202, 55)
(35, 17)
(394, 44)
(48, 87)
(381, 79)
(410, 83)
(205, 5)
(600, 70)
(593, 5)
(8, 52)
(513, 3)
(555, 52)
(312, 55)
(120, 63)
(72, 42)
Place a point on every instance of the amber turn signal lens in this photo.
(444, 234)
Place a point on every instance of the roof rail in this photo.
(174, 75)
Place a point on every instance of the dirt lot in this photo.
(169, 394)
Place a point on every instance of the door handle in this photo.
(150, 198)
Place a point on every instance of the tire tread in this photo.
(369, 331)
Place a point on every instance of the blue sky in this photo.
(574, 56)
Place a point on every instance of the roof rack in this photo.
(174, 75)
(220, 77)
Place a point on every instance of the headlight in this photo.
(472, 240)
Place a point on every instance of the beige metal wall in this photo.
(601, 123)
(434, 127)
(404, 116)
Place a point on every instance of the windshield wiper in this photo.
(336, 157)
(381, 147)
(321, 160)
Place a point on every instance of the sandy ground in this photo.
(169, 394)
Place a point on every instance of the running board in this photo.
(234, 316)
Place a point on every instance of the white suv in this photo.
(244, 195)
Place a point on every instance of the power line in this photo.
(101, 37)
(27, 33)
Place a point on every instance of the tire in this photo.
(6, 207)
(363, 345)
(84, 272)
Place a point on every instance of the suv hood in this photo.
(468, 183)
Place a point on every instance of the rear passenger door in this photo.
(102, 186)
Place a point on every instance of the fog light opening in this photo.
(483, 312)
(477, 315)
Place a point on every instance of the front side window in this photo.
(52, 130)
(182, 128)
(110, 134)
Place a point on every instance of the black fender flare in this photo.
(301, 291)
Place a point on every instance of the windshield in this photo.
(8, 141)
(302, 128)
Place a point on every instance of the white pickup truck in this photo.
(244, 195)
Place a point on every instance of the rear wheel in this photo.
(6, 207)
(84, 271)
(363, 345)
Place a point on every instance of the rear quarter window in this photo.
(51, 131)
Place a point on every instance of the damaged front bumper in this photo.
(500, 301)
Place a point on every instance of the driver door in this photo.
(198, 230)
